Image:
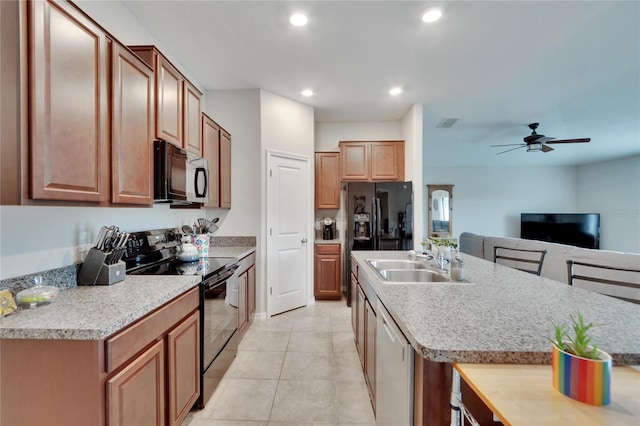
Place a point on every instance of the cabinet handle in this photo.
(304, 240)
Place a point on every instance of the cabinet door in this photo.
(387, 161)
(353, 291)
(327, 180)
(361, 334)
(354, 161)
(136, 395)
(68, 104)
(326, 281)
(211, 152)
(183, 368)
(243, 282)
(132, 129)
(169, 87)
(370, 352)
(192, 135)
(225, 169)
(251, 290)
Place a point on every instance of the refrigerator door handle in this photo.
(376, 223)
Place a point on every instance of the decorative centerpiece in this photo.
(581, 371)
(434, 244)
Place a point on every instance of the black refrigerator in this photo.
(379, 217)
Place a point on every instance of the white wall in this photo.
(328, 135)
(35, 238)
(287, 127)
(488, 201)
(612, 188)
(411, 131)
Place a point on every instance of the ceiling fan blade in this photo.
(511, 144)
(546, 148)
(582, 140)
(544, 139)
(511, 149)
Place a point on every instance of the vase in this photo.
(201, 241)
(585, 380)
(443, 258)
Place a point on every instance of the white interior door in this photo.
(288, 224)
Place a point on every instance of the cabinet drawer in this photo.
(128, 342)
(327, 248)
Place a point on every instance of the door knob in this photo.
(304, 240)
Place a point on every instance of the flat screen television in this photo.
(575, 229)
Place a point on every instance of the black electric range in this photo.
(153, 253)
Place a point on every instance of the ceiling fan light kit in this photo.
(536, 142)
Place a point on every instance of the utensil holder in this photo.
(94, 271)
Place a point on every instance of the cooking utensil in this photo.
(187, 229)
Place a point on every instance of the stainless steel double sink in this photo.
(406, 271)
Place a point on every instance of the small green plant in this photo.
(580, 343)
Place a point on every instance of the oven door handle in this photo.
(220, 279)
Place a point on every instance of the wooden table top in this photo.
(523, 395)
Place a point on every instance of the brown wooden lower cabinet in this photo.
(147, 373)
(432, 395)
(327, 267)
(246, 290)
(183, 367)
(136, 395)
(370, 352)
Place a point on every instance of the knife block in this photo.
(94, 271)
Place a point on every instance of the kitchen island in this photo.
(498, 315)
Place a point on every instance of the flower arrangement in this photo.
(440, 242)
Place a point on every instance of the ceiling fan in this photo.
(536, 142)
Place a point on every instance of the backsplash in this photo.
(62, 278)
(66, 276)
(233, 241)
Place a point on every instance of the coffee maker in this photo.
(328, 228)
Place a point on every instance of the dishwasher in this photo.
(394, 372)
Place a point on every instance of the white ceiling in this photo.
(573, 66)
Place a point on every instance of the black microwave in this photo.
(180, 177)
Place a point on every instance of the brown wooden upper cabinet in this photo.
(372, 160)
(177, 102)
(216, 149)
(132, 128)
(225, 169)
(68, 104)
(327, 191)
(211, 152)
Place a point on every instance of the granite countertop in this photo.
(321, 241)
(95, 312)
(501, 315)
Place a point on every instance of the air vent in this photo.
(447, 122)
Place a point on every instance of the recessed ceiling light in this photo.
(432, 15)
(307, 92)
(395, 91)
(298, 19)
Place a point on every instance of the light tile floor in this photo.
(297, 368)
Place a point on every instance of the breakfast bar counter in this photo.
(501, 315)
(522, 395)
